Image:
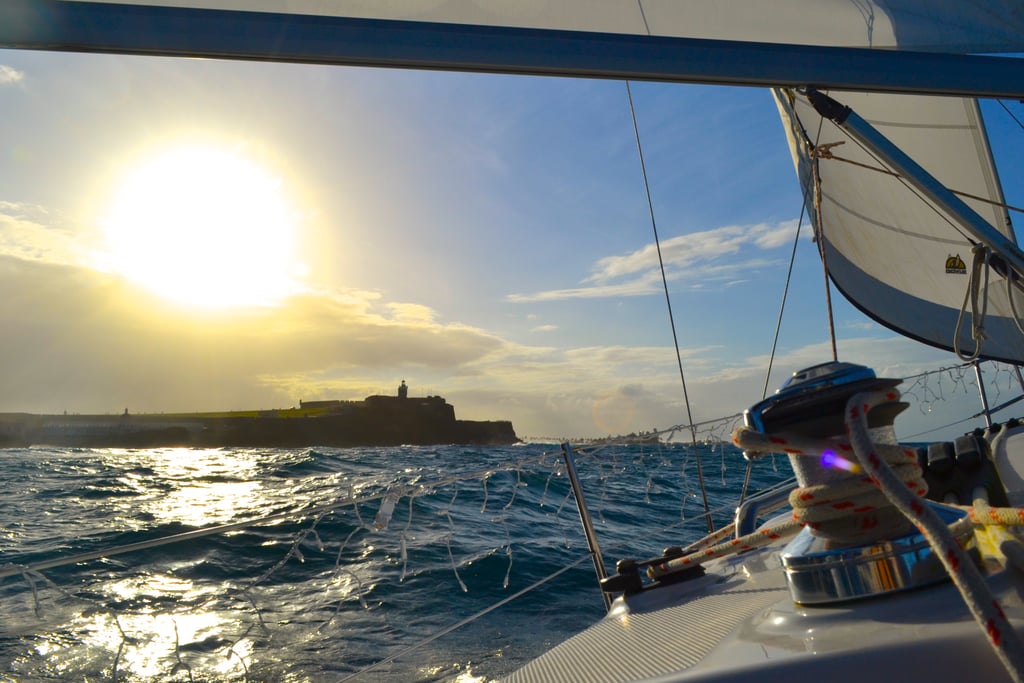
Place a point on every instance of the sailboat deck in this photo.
(739, 623)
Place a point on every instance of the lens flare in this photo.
(832, 460)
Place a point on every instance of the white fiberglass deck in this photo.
(739, 623)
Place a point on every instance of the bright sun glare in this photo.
(204, 227)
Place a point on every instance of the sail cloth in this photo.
(952, 26)
(897, 257)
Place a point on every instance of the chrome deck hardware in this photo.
(827, 564)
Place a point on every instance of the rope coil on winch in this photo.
(849, 508)
(902, 489)
(964, 573)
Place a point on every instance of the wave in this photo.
(335, 558)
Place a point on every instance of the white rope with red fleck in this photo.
(847, 508)
(967, 577)
(711, 539)
(763, 536)
(982, 514)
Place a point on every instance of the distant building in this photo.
(403, 390)
(320, 404)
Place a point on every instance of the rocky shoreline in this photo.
(374, 421)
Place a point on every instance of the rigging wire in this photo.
(778, 328)
(884, 171)
(808, 186)
(785, 295)
(1012, 115)
(668, 303)
(816, 181)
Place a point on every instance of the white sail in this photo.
(928, 25)
(897, 257)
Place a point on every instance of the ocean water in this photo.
(340, 564)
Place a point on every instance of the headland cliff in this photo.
(373, 421)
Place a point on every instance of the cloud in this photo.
(685, 251)
(545, 328)
(34, 233)
(620, 389)
(9, 75)
(636, 288)
(87, 341)
(411, 313)
(693, 260)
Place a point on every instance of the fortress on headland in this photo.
(374, 421)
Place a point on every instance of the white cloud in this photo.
(411, 313)
(87, 343)
(85, 337)
(769, 237)
(695, 259)
(33, 233)
(9, 75)
(635, 288)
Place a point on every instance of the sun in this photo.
(204, 227)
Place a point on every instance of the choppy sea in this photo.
(337, 564)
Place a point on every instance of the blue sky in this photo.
(485, 238)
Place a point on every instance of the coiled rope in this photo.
(847, 509)
(965, 575)
(902, 489)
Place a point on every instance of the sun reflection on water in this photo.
(158, 628)
(265, 602)
(189, 615)
(206, 486)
